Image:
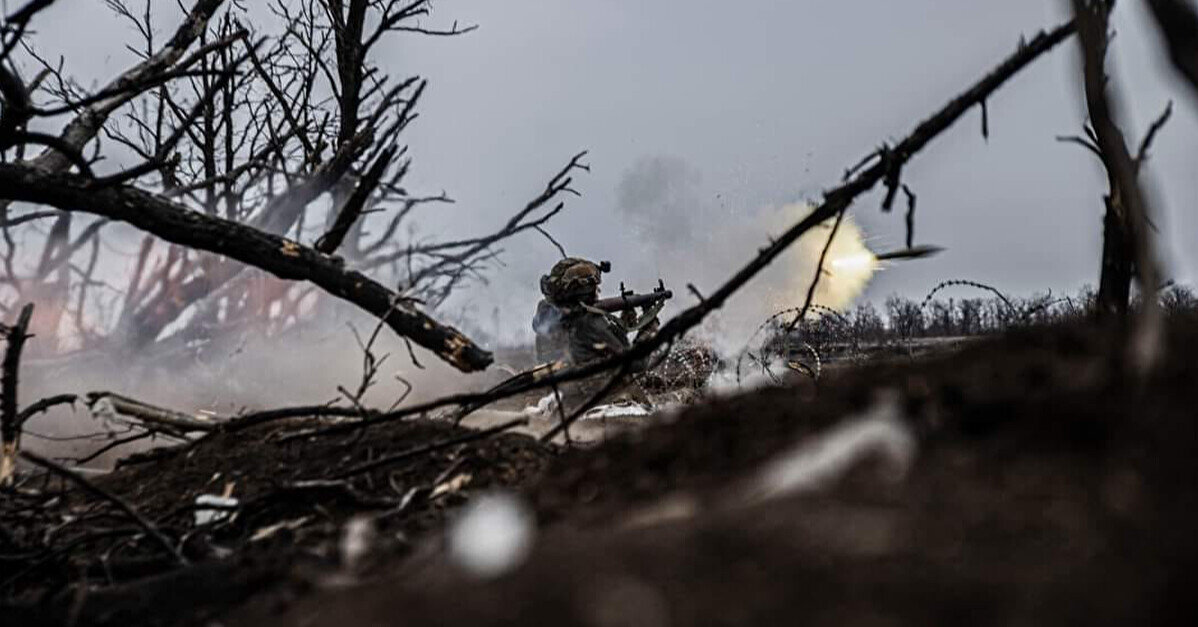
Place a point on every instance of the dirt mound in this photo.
(1045, 490)
(1041, 487)
(291, 506)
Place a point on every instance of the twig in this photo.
(1146, 143)
(985, 121)
(819, 270)
(549, 237)
(561, 415)
(910, 219)
(577, 413)
(45, 404)
(120, 503)
(114, 444)
(240, 423)
(430, 448)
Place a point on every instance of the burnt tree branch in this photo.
(277, 255)
(355, 205)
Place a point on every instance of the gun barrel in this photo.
(621, 303)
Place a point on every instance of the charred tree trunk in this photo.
(1128, 244)
(1114, 281)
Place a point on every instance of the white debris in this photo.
(103, 409)
(616, 410)
(815, 462)
(544, 406)
(220, 508)
(493, 535)
(358, 538)
(547, 406)
(451, 486)
(726, 382)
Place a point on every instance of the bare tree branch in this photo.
(1146, 143)
(282, 257)
(356, 204)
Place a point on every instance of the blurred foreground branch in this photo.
(1178, 23)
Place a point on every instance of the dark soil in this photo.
(1049, 488)
(278, 484)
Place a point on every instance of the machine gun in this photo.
(650, 302)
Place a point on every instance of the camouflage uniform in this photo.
(568, 329)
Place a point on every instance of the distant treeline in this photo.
(902, 318)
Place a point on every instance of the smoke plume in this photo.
(688, 237)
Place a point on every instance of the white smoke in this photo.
(686, 238)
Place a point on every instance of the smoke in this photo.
(657, 198)
(679, 232)
(237, 372)
(685, 236)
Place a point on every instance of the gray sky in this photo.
(738, 108)
(768, 102)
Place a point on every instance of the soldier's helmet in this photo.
(572, 279)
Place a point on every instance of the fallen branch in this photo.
(277, 255)
(45, 404)
(169, 420)
(233, 425)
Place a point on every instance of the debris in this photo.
(493, 535)
(270, 530)
(358, 539)
(218, 510)
(451, 486)
(543, 407)
(814, 463)
(620, 409)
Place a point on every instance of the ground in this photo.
(1046, 485)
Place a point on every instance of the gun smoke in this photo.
(686, 237)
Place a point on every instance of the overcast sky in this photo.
(701, 117)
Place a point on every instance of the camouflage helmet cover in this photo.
(572, 278)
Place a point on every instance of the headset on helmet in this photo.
(573, 278)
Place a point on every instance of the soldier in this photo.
(568, 328)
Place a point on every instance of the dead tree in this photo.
(1127, 245)
(243, 161)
